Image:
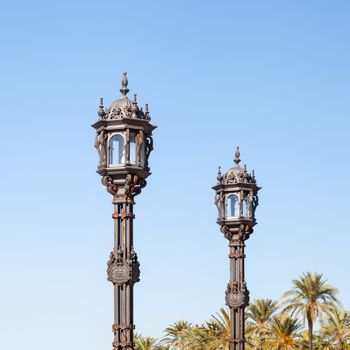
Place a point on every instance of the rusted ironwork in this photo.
(124, 143)
(236, 199)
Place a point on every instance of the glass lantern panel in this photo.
(245, 208)
(132, 152)
(143, 155)
(232, 206)
(116, 150)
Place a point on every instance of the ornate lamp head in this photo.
(124, 143)
(236, 200)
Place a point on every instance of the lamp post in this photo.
(236, 200)
(124, 143)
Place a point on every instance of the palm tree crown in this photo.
(311, 297)
(336, 330)
(284, 332)
(259, 312)
(176, 335)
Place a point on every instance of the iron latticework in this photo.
(236, 200)
(124, 143)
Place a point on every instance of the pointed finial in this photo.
(147, 117)
(253, 174)
(101, 112)
(134, 107)
(245, 169)
(219, 176)
(124, 89)
(237, 155)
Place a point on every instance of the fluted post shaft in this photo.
(123, 271)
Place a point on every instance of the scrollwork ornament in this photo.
(149, 149)
(226, 231)
(120, 109)
(237, 177)
(255, 201)
(111, 187)
(133, 185)
(244, 232)
(135, 266)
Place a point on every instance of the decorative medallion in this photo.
(118, 271)
(236, 298)
(121, 271)
(120, 274)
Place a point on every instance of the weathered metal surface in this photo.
(124, 180)
(236, 200)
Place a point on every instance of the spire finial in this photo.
(237, 155)
(124, 89)
(147, 117)
(101, 112)
(219, 176)
(134, 107)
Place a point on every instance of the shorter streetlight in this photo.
(236, 200)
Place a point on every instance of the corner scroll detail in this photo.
(133, 185)
(111, 187)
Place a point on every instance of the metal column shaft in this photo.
(123, 271)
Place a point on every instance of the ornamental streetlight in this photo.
(236, 200)
(124, 143)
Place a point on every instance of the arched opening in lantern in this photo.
(232, 206)
(116, 150)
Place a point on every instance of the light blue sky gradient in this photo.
(270, 76)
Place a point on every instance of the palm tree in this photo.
(147, 343)
(200, 337)
(311, 297)
(284, 332)
(336, 330)
(176, 335)
(219, 331)
(212, 335)
(258, 314)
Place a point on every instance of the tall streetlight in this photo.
(236, 200)
(124, 143)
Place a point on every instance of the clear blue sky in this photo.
(270, 76)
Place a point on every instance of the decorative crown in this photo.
(123, 107)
